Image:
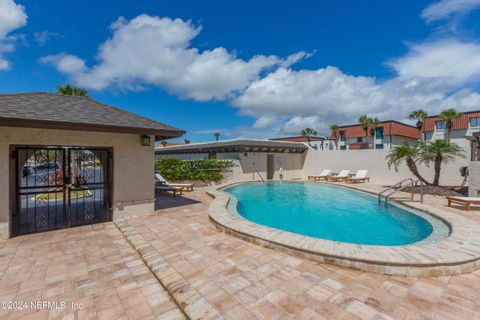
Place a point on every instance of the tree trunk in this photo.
(449, 130)
(413, 168)
(437, 167)
(366, 138)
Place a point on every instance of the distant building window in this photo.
(379, 146)
(379, 133)
(474, 122)
(359, 139)
(343, 147)
(440, 125)
(342, 136)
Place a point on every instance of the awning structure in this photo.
(235, 145)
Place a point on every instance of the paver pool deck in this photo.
(92, 266)
(234, 279)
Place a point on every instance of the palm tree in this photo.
(407, 153)
(438, 152)
(163, 143)
(308, 133)
(70, 90)
(420, 115)
(364, 121)
(186, 141)
(216, 135)
(449, 115)
(373, 124)
(334, 129)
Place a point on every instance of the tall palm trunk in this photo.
(437, 167)
(413, 168)
(449, 130)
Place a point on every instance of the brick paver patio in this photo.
(97, 267)
(245, 281)
(92, 265)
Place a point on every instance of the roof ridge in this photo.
(88, 99)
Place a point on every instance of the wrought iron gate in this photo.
(60, 187)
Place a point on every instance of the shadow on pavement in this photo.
(166, 201)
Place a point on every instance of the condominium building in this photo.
(387, 135)
(317, 143)
(436, 128)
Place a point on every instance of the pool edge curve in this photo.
(457, 254)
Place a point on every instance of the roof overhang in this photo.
(59, 125)
(235, 146)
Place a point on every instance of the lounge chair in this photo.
(360, 176)
(341, 176)
(162, 181)
(174, 190)
(322, 176)
(467, 201)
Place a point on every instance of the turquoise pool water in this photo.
(328, 212)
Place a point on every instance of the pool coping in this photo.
(457, 254)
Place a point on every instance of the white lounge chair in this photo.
(174, 190)
(360, 176)
(160, 180)
(467, 201)
(322, 176)
(341, 176)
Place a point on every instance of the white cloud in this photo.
(445, 9)
(43, 36)
(264, 122)
(449, 58)
(319, 98)
(153, 51)
(149, 50)
(326, 92)
(296, 124)
(12, 16)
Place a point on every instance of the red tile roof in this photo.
(458, 124)
(389, 128)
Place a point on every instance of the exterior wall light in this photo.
(145, 141)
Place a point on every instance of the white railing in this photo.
(399, 186)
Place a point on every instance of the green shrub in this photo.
(205, 170)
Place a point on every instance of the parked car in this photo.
(47, 165)
(27, 171)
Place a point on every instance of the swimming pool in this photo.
(330, 212)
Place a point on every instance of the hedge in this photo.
(205, 170)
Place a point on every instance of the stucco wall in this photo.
(374, 161)
(247, 164)
(132, 163)
(292, 165)
(474, 178)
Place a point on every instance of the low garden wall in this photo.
(378, 171)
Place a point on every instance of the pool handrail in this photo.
(399, 187)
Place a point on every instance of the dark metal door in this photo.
(270, 166)
(60, 187)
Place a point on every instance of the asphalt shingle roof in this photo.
(64, 110)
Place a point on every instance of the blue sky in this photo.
(248, 68)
